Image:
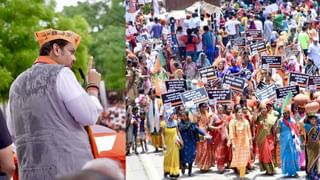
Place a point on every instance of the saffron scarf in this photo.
(45, 60)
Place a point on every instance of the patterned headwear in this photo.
(168, 113)
(262, 105)
(312, 115)
(47, 35)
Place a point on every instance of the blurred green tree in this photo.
(79, 25)
(106, 20)
(18, 48)
(19, 19)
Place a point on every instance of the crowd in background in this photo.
(277, 132)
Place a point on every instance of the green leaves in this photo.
(106, 21)
(6, 79)
(109, 50)
(100, 25)
(19, 19)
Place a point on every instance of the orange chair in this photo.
(117, 153)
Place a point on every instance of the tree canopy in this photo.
(106, 20)
(100, 25)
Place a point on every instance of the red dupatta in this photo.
(293, 126)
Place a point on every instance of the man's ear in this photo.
(56, 49)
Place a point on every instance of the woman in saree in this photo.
(248, 116)
(221, 69)
(241, 141)
(220, 138)
(190, 135)
(172, 140)
(313, 147)
(289, 144)
(204, 156)
(265, 139)
(298, 114)
(228, 117)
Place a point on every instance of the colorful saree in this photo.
(265, 142)
(204, 157)
(289, 153)
(313, 152)
(220, 140)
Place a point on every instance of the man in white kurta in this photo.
(49, 109)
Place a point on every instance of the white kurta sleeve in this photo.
(8, 118)
(84, 108)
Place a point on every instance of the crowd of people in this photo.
(277, 131)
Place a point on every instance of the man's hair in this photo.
(304, 28)
(189, 31)
(179, 28)
(47, 47)
(205, 28)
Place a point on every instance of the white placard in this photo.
(271, 8)
(190, 104)
(105, 143)
(205, 80)
(293, 83)
(226, 86)
(312, 87)
(167, 106)
(212, 101)
(265, 66)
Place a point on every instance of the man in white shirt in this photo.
(232, 26)
(203, 22)
(194, 22)
(314, 51)
(267, 29)
(186, 23)
(150, 24)
(131, 29)
(292, 23)
(258, 24)
(49, 109)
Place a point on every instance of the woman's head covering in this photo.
(168, 113)
(262, 105)
(312, 115)
(199, 62)
(201, 54)
(294, 62)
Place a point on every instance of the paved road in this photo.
(149, 167)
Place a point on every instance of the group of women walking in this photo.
(214, 136)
